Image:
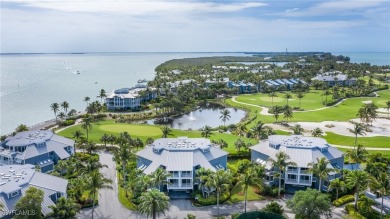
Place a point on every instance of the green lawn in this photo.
(145, 131)
(238, 194)
(377, 142)
(343, 112)
(124, 200)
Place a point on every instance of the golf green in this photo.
(137, 130)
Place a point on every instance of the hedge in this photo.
(350, 208)
(343, 200)
(212, 199)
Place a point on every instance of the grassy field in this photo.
(376, 142)
(343, 112)
(145, 131)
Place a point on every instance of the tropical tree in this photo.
(241, 130)
(166, 131)
(123, 154)
(149, 141)
(310, 204)
(273, 207)
(337, 185)
(206, 131)
(358, 129)
(87, 124)
(359, 180)
(287, 112)
(95, 181)
(320, 168)
(280, 164)
(65, 106)
(326, 94)
(21, 128)
(91, 147)
(30, 202)
(87, 99)
(105, 138)
(102, 94)
(300, 95)
(62, 116)
(388, 108)
(76, 188)
(251, 176)
(276, 110)
(225, 116)
(159, 178)
(65, 208)
(61, 167)
(367, 113)
(287, 96)
(153, 202)
(260, 131)
(358, 154)
(220, 181)
(297, 129)
(55, 108)
(317, 132)
(239, 144)
(272, 95)
(381, 184)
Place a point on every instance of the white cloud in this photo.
(138, 7)
(292, 10)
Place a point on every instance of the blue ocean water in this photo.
(30, 83)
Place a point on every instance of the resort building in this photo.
(212, 81)
(181, 157)
(302, 151)
(41, 148)
(288, 83)
(130, 98)
(378, 203)
(174, 86)
(336, 77)
(243, 87)
(16, 179)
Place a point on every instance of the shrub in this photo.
(212, 199)
(274, 207)
(68, 122)
(351, 211)
(343, 200)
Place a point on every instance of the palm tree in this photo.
(280, 163)
(287, 112)
(297, 129)
(149, 141)
(337, 185)
(105, 138)
(225, 116)
(300, 95)
(381, 184)
(367, 113)
(206, 131)
(259, 130)
(321, 169)
(102, 94)
(287, 96)
(87, 124)
(159, 177)
(65, 106)
(21, 128)
(166, 131)
(94, 182)
(326, 94)
(87, 99)
(62, 116)
(54, 107)
(272, 95)
(358, 154)
(241, 130)
(239, 144)
(153, 202)
(388, 108)
(61, 167)
(123, 154)
(91, 147)
(358, 179)
(250, 177)
(317, 132)
(358, 129)
(220, 181)
(64, 208)
(276, 110)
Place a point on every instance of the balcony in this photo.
(292, 170)
(173, 185)
(186, 175)
(291, 180)
(186, 185)
(305, 181)
(174, 175)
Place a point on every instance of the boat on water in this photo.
(78, 72)
(141, 81)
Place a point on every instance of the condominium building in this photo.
(130, 98)
(181, 157)
(15, 180)
(41, 148)
(301, 150)
(336, 77)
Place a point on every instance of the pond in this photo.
(203, 116)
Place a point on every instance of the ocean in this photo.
(30, 83)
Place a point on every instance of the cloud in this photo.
(292, 10)
(137, 7)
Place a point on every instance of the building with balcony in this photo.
(302, 150)
(181, 157)
(130, 98)
(16, 179)
(41, 148)
(335, 77)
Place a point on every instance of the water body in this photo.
(30, 83)
(374, 58)
(201, 117)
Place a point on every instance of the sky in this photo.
(194, 26)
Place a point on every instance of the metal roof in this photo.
(180, 161)
(28, 138)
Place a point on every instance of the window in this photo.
(13, 194)
(59, 195)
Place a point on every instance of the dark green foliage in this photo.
(343, 200)
(274, 207)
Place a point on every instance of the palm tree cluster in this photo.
(55, 107)
(367, 113)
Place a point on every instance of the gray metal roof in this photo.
(301, 155)
(332, 76)
(28, 138)
(298, 141)
(186, 154)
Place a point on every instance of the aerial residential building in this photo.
(130, 98)
(243, 87)
(378, 203)
(16, 179)
(302, 151)
(336, 77)
(181, 157)
(41, 148)
(212, 81)
(288, 83)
